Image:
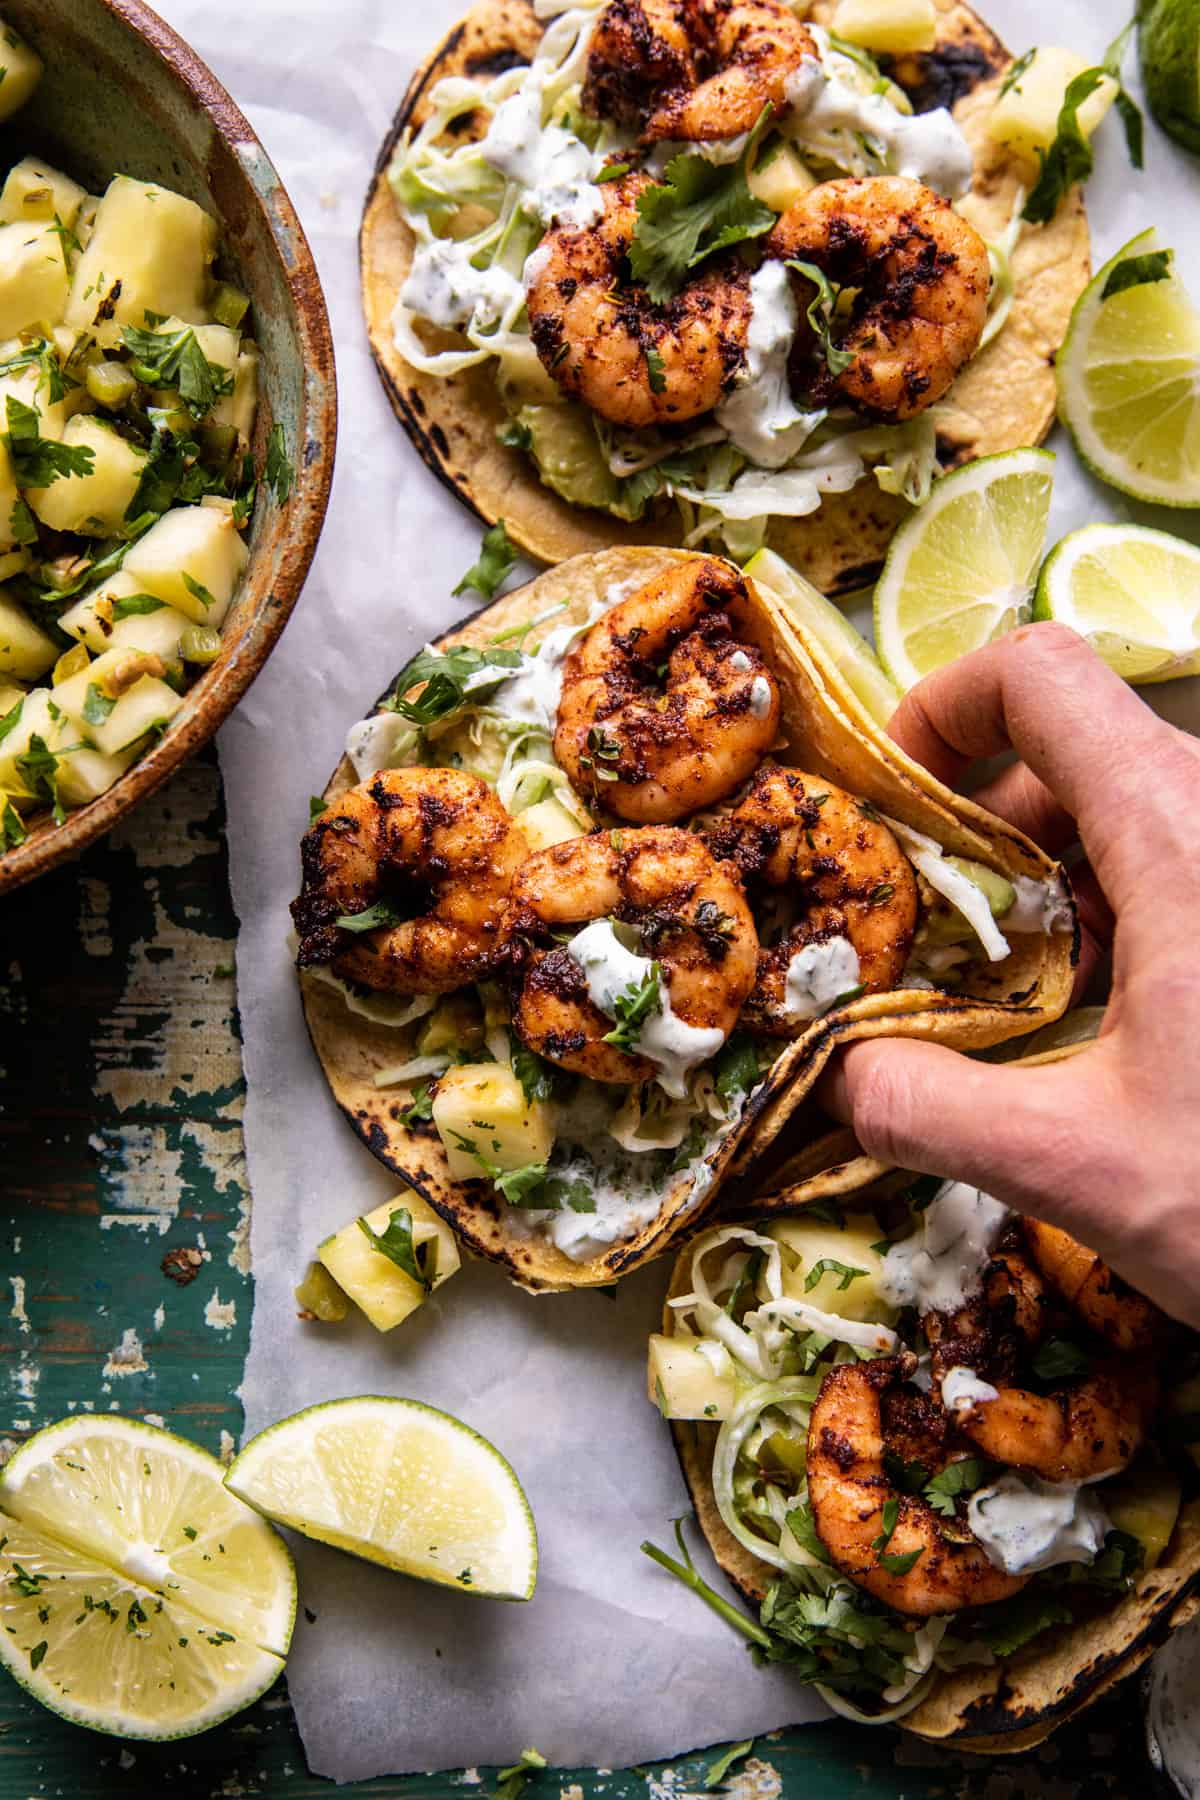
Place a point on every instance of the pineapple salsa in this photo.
(127, 404)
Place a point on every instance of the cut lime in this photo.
(1133, 593)
(1169, 45)
(829, 628)
(137, 1595)
(961, 570)
(1129, 376)
(400, 1484)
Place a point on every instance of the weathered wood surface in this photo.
(125, 1286)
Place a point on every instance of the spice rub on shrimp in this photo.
(664, 708)
(689, 917)
(1105, 1303)
(920, 279)
(435, 847)
(1090, 1428)
(606, 343)
(848, 1490)
(839, 863)
(693, 70)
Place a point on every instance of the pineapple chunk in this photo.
(687, 1382)
(483, 1106)
(548, 823)
(1025, 119)
(35, 719)
(25, 649)
(783, 180)
(84, 774)
(808, 1242)
(158, 246)
(94, 505)
(28, 385)
(10, 693)
(319, 1295)
(33, 277)
(238, 409)
(14, 562)
(20, 71)
(894, 27)
(91, 621)
(377, 1285)
(35, 190)
(1144, 1502)
(523, 378)
(117, 699)
(196, 543)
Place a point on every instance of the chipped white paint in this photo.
(17, 1311)
(160, 1317)
(7, 1446)
(220, 1315)
(94, 923)
(160, 1222)
(754, 1780)
(126, 1760)
(467, 1778)
(126, 1358)
(227, 1449)
(156, 1419)
(24, 1382)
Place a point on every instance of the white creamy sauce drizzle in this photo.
(1025, 1524)
(760, 416)
(1172, 1715)
(818, 975)
(551, 164)
(926, 147)
(941, 1265)
(929, 859)
(962, 1389)
(669, 1042)
(1039, 906)
(379, 742)
(760, 697)
(446, 288)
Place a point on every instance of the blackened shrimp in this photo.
(919, 275)
(1105, 1303)
(1090, 1428)
(605, 341)
(833, 857)
(919, 1569)
(433, 849)
(666, 707)
(689, 917)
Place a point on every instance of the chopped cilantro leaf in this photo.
(634, 1008)
(828, 1266)
(396, 1243)
(382, 913)
(889, 1521)
(1057, 1359)
(96, 705)
(901, 1563)
(1138, 271)
(961, 1477)
(38, 461)
(821, 311)
(174, 359)
(134, 605)
(656, 370)
(443, 678)
(497, 560)
(699, 208)
(909, 1477)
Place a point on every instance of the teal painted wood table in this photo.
(125, 1286)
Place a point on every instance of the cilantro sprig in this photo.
(1138, 271)
(39, 461)
(175, 359)
(699, 208)
(822, 309)
(446, 677)
(396, 1243)
(634, 1008)
(496, 562)
(1070, 158)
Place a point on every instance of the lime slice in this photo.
(828, 627)
(1133, 593)
(1129, 378)
(137, 1595)
(1169, 44)
(400, 1484)
(960, 571)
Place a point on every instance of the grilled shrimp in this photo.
(1079, 1433)
(1105, 1303)
(606, 343)
(798, 833)
(693, 922)
(438, 848)
(694, 70)
(664, 709)
(920, 278)
(847, 1489)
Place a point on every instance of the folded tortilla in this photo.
(997, 1001)
(1003, 399)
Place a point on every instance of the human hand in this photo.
(1107, 1144)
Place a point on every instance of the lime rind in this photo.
(826, 624)
(1133, 592)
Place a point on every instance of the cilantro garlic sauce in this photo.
(611, 970)
(1027, 1525)
(940, 1266)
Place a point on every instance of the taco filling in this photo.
(933, 1431)
(576, 871)
(721, 264)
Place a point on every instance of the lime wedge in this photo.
(1129, 377)
(1169, 46)
(961, 570)
(397, 1483)
(137, 1595)
(1133, 593)
(827, 626)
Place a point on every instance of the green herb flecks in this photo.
(634, 1009)
(961, 1477)
(821, 311)
(164, 359)
(700, 208)
(1138, 271)
(372, 918)
(829, 1266)
(448, 680)
(38, 461)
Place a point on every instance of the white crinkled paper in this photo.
(611, 1663)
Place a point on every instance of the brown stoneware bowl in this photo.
(123, 93)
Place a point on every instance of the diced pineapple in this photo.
(319, 1295)
(35, 190)
(686, 1381)
(29, 386)
(1025, 119)
(70, 663)
(893, 27)
(1144, 1502)
(91, 620)
(548, 823)
(523, 379)
(84, 774)
(238, 409)
(10, 693)
(35, 719)
(809, 1242)
(25, 649)
(157, 246)
(13, 562)
(481, 1112)
(372, 1280)
(782, 180)
(33, 277)
(20, 71)
(117, 699)
(94, 505)
(196, 544)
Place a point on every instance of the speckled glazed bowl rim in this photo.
(219, 690)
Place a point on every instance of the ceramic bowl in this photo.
(123, 93)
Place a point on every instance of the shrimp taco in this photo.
(698, 272)
(931, 1444)
(590, 876)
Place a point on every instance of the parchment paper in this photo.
(611, 1663)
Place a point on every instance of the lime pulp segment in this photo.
(1133, 593)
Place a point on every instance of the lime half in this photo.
(137, 1595)
(400, 1484)
(1169, 45)
(828, 627)
(961, 570)
(1129, 376)
(1133, 593)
